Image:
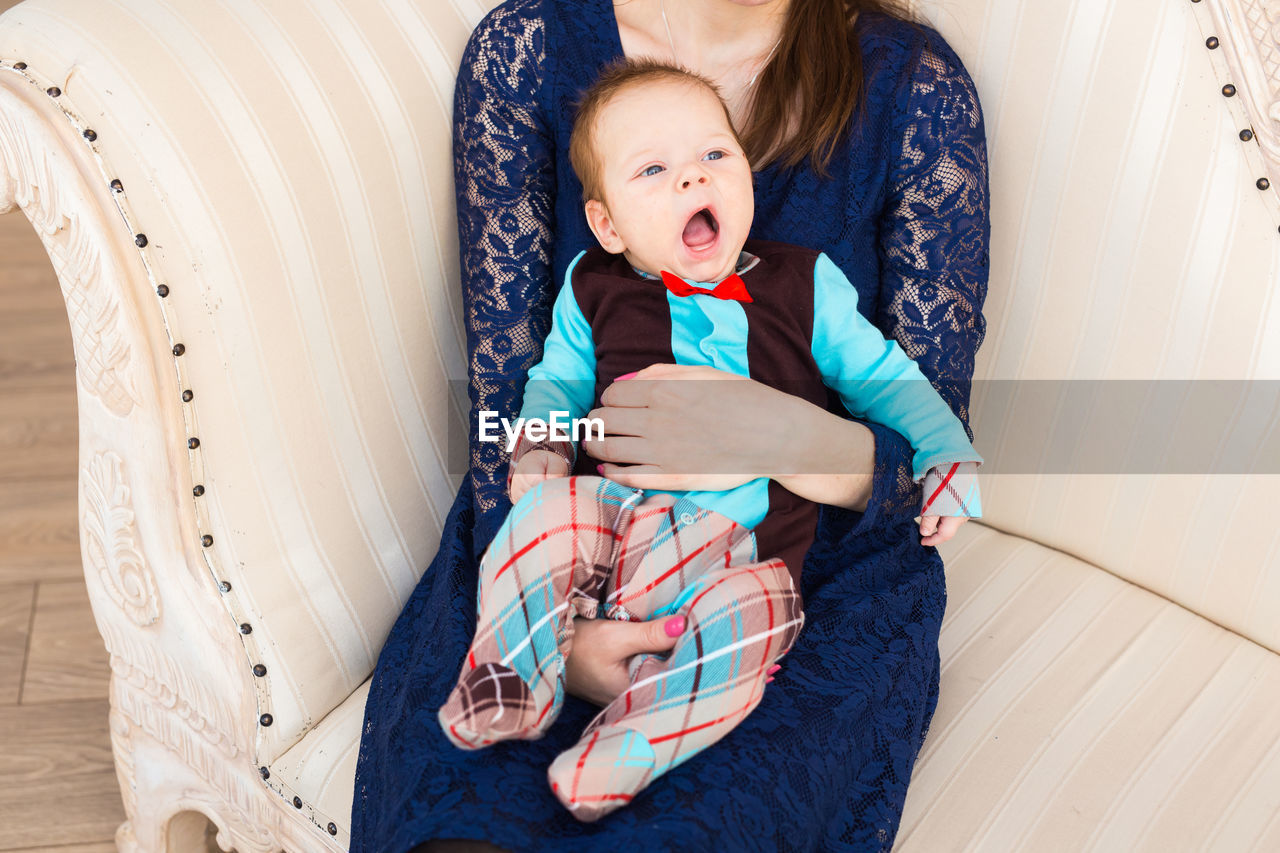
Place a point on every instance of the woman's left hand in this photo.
(667, 427)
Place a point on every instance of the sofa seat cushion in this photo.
(1078, 711)
(1081, 712)
(320, 769)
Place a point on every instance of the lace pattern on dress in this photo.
(934, 244)
(505, 175)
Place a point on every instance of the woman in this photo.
(873, 150)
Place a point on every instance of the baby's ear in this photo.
(602, 226)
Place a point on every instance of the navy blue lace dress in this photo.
(824, 761)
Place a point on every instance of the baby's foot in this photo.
(602, 772)
(492, 703)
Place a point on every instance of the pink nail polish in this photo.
(775, 668)
(674, 626)
(600, 469)
(767, 680)
(628, 375)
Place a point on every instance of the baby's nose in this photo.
(690, 181)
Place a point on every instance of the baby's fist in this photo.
(535, 467)
(935, 530)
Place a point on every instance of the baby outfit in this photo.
(728, 560)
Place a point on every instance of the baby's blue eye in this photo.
(713, 155)
(651, 171)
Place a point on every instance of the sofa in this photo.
(249, 207)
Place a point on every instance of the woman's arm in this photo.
(673, 426)
(934, 236)
(504, 174)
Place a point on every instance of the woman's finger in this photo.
(623, 421)
(635, 476)
(620, 448)
(654, 636)
(627, 393)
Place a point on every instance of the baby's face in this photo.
(677, 186)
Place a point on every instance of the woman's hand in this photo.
(666, 434)
(596, 667)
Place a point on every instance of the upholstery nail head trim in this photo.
(246, 628)
(1228, 90)
(163, 290)
(264, 773)
(206, 540)
(266, 719)
(297, 802)
(225, 586)
(259, 670)
(90, 134)
(193, 443)
(140, 241)
(1246, 135)
(53, 91)
(198, 491)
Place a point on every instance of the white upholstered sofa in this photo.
(249, 207)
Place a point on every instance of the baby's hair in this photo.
(617, 77)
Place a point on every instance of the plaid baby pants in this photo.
(591, 547)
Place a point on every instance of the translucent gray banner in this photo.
(1207, 426)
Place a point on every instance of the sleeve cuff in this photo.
(893, 498)
(952, 489)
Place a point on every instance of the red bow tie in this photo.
(731, 288)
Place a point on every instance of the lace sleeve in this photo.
(505, 178)
(934, 235)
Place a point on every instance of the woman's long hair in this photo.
(805, 99)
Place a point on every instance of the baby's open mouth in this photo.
(701, 229)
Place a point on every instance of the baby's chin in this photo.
(705, 270)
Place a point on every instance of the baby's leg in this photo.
(741, 620)
(547, 563)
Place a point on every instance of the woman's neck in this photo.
(720, 39)
(714, 37)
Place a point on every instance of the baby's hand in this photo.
(938, 529)
(535, 467)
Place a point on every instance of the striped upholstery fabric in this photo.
(1129, 241)
(289, 162)
(321, 768)
(1080, 712)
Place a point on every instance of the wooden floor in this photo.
(58, 789)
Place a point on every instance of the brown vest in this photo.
(631, 329)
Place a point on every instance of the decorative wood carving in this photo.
(30, 178)
(1249, 31)
(110, 539)
(244, 817)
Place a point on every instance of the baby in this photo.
(675, 280)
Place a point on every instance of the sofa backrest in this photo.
(1132, 240)
(289, 164)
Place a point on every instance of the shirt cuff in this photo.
(952, 489)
